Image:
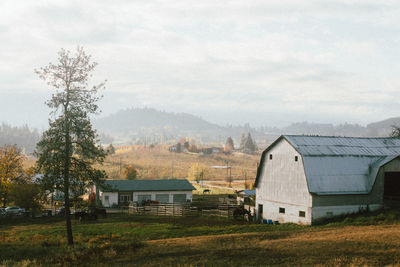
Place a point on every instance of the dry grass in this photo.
(159, 163)
(202, 241)
(347, 246)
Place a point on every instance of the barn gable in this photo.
(340, 165)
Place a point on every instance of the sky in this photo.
(268, 63)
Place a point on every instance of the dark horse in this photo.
(91, 213)
(241, 212)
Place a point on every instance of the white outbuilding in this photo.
(122, 192)
(303, 179)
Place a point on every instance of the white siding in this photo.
(112, 199)
(319, 213)
(170, 193)
(283, 184)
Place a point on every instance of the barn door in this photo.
(391, 190)
(260, 212)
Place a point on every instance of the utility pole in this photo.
(172, 170)
(120, 167)
(245, 180)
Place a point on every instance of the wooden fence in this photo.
(187, 209)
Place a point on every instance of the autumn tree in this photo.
(11, 170)
(69, 148)
(130, 172)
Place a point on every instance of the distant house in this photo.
(303, 179)
(122, 192)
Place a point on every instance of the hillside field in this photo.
(158, 163)
(127, 240)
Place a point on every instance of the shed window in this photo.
(125, 198)
(302, 213)
(296, 158)
(270, 156)
(179, 198)
(162, 198)
(143, 198)
(281, 210)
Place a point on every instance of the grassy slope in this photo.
(155, 241)
(158, 163)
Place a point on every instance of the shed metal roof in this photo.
(340, 165)
(148, 185)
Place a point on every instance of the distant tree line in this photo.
(23, 137)
(247, 144)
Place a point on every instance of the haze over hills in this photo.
(148, 125)
(138, 124)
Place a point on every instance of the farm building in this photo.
(303, 179)
(121, 192)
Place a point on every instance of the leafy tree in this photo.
(229, 145)
(68, 149)
(178, 148)
(110, 150)
(242, 141)
(192, 148)
(24, 192)
(186, 145)
(395, 131)
(250, 145)
(130, 172)
(11, 170)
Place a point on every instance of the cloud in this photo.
(231, 58)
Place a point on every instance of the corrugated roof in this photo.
(340, 165)
(148, 185)
(341, 146)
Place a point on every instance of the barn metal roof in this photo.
(340, 165)
(148, 185)
(343, 146)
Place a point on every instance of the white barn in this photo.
(122, 192)
(303, 179)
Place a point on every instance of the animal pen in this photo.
(222, 208)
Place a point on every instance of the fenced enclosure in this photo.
(219, 209)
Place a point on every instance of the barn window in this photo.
(270, 156)
(302, 213)
(296, 158)
(281, 210)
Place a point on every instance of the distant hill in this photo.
(140, 125)
(383, 128)
(23, 137)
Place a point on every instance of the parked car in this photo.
(2, 212)
(15, 211)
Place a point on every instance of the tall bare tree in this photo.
(69, 148)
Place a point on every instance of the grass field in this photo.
(159, 163)
(122, 240)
